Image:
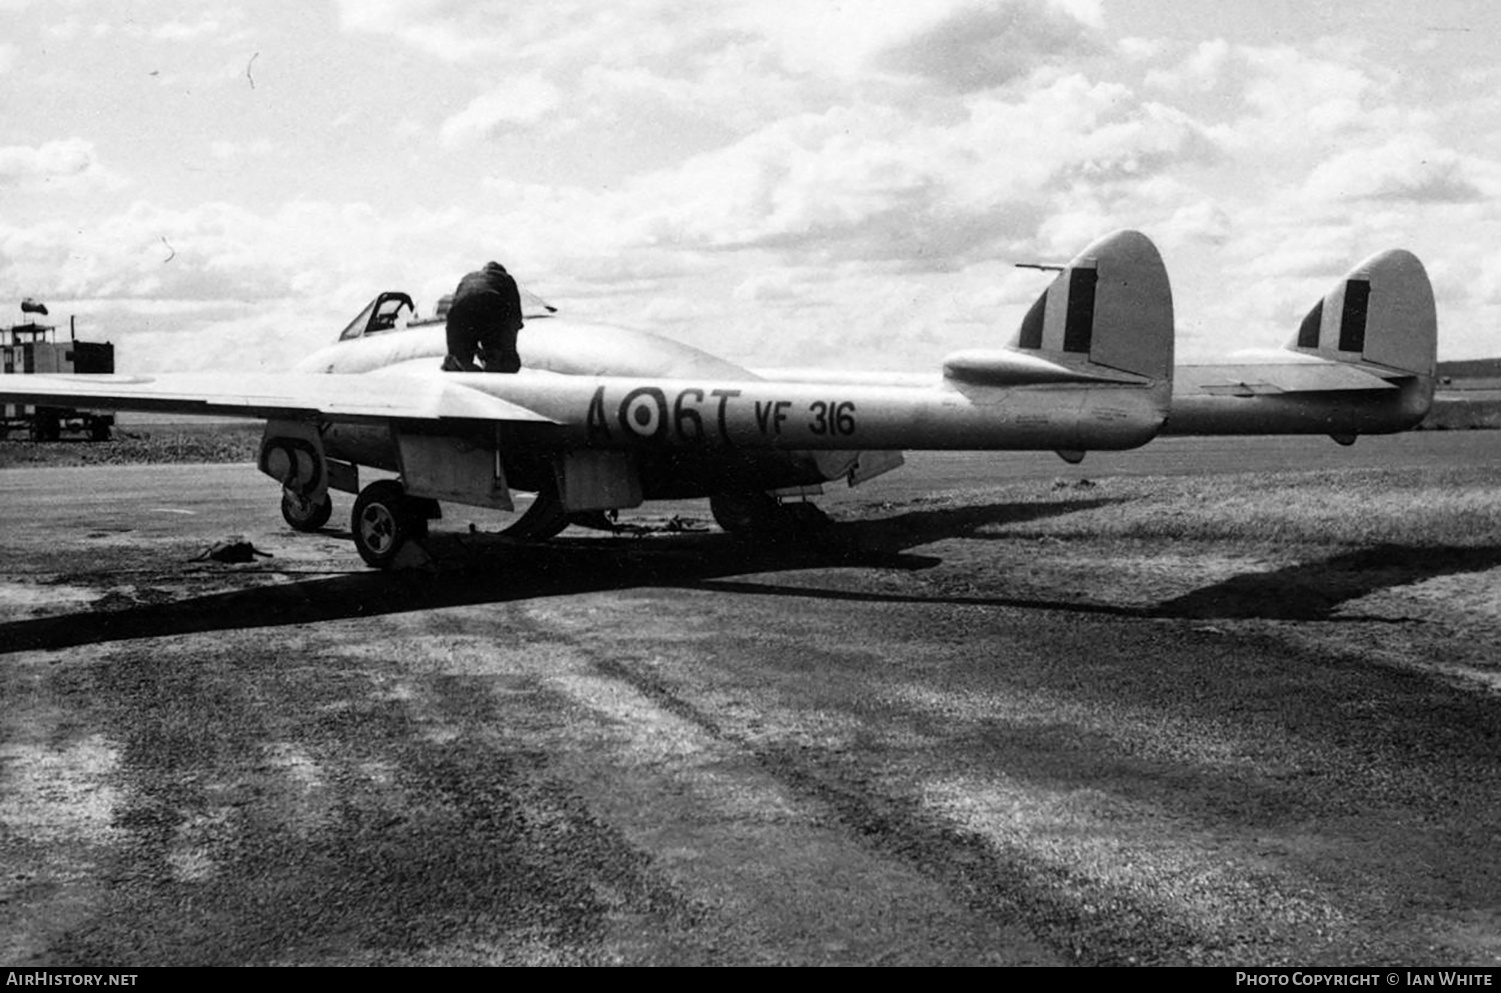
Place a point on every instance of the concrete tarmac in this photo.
(956, 735)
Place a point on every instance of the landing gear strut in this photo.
(384, 519)
(544, 519)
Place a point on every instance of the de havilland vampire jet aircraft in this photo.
(603, 418)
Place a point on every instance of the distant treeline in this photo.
(1470, 369)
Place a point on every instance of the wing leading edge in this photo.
(259, 395)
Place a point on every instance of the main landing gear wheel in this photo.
(303, 514)
(759, 514)
(384, 519)
(744, 512)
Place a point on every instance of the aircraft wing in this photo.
(269, 395)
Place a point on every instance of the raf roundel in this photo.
(644, 412)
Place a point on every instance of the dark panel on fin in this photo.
(1352, 324)
(1031, 331)
(1079, 326)
(1308, 331)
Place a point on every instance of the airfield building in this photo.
(33, 348)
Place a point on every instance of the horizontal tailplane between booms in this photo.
(1106, 319)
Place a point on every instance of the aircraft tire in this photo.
(745, 512)
(305, 515)
(385, 518)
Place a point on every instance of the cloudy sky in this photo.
(801, 182)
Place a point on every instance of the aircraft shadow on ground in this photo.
(1315, 591)
(476, 569)
(1312, 591)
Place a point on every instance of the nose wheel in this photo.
(384, 519)
(303, 514)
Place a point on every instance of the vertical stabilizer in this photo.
(1111, 306)
(1382, 312)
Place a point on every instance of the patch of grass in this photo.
(233, 442)
(1456, 507)
(1459, 412)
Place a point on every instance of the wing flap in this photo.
(1240, 389)
(259, 395)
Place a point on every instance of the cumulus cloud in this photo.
(806, 38)
(229, 150)
(1202, 69)
(186, 31)
(213, 251)
(177, 24)
(834, 40)
(455, 30)
(646, 68)
(759, 288)
(822, 47)
(984, 46)
(1410, 168)
(1294, 99)
(65, 164)
(715, 169)
(254, 288)
(865, 183)
(516, 103)
(1199, 221)
(1487, 287)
